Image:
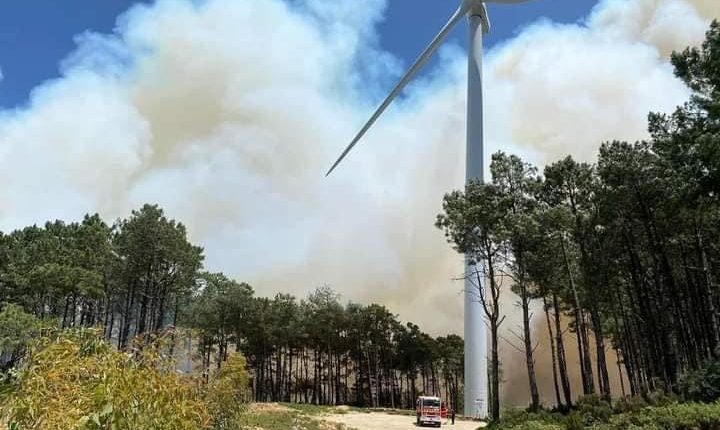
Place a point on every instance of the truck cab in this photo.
(429, 411)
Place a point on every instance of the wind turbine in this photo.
(475, 334)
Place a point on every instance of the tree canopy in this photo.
(626, 248)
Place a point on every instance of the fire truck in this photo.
(430, 411)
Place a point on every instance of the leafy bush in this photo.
(675, 416)
(227, 393)
(702, 385)
(593, 409)
(524, 419)
(75, 380)
(661, 398)
(688, 416)
(574, 421)
(630, 404)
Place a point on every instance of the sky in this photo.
(227, 113)
(35, 35)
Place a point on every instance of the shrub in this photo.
(227, 392)
(524, 419)
(75, 380)
(675, 416)
(630, 404)
(574, 421)
(593, 409)
(702, 385)
(688, 416)
(661, 398)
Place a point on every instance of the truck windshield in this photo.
(431, 403)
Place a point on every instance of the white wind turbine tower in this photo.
(475, 333)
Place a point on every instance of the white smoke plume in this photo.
(228, 112)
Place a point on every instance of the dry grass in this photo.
(275, 416)
(269, 408)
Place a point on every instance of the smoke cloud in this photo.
(228, 112)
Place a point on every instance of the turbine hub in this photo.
(474, 7)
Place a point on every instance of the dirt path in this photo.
(378, 421)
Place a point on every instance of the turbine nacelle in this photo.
(478, 8)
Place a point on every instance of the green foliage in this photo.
(227, 393)
(593, 409)
(527, 420)
(17, 330)
(661, 398)
(703, 384)
(516, 416)
(6, 388)
(75, 380)
(689, 416)
(46, 265)
(630, 404)
(156, 266)
(574, 421)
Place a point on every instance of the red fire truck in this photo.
(430, 411)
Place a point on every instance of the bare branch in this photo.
(517, 348)
(519, 337)
(501, 320)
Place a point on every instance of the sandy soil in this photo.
(381, 421)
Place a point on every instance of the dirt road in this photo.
(382, 421)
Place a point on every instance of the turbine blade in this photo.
(485, 19)
(409, 75)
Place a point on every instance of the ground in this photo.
(273, 416)
(388, 421)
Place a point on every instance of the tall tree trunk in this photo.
(527, 341)
(495, 373)
(127, 316)
(585, 362)
(160, 310)
(562, 360)
(709, 299)
(603, 376)
(553, 355)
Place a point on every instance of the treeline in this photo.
(320, 351)
(626, 248)
(129, 278)
(142, 275)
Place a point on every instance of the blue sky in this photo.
(36, 34)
